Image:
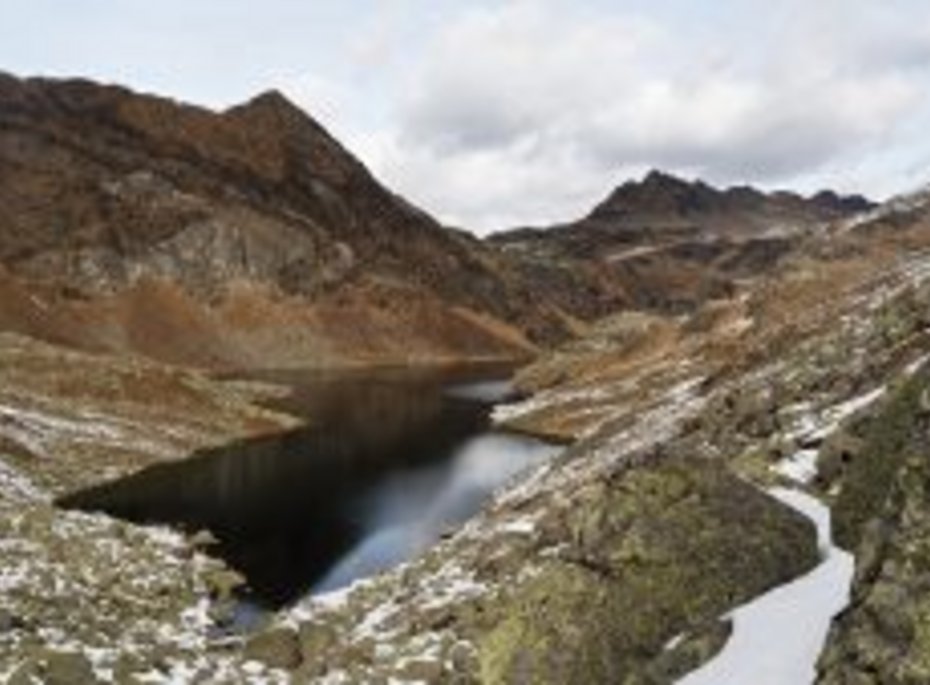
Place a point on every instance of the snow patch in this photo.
(800, 467)
(547, 399)
(17, 487)
(812, 427)
(777, 638)
(916, 365)
(520, 526)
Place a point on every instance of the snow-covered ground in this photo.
(800, 467)
(778, 637)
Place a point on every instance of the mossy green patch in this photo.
(895, 432)
(659, 550)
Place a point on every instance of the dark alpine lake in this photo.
(387, 463)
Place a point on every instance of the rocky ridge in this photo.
(241, 238)
(251, 238)
(665, 245)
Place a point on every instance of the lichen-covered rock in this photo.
(884, 512)
(837, 454)
(278, 648)
(611, 569)
(54, 667)
(687, 652)
(659, 550)
(899, 429)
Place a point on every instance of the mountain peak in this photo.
(661, 198)
(658, 192)
(271, 104)
(272, 99)
(657, 177)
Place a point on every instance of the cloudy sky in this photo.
(493, 113)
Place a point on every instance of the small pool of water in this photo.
(387, 464)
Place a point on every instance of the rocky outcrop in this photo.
(883, 513)
(660, 552)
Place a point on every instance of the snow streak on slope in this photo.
(778, 637)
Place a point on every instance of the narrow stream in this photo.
(777, 638)
(387, 464)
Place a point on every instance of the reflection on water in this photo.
(386, 464)
(412, 508)
(486, 391)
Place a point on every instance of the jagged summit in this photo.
(665, 243)
(846, 203)
(659, 177)
(665, 197)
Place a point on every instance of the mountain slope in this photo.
(252, 238)
(667, 244)
(813, 376)
(246, 237)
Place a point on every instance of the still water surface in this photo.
(386, 465)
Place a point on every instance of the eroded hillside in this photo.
(242, 238)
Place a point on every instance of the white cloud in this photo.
(529, 111)
(498, 112)
(496, 75)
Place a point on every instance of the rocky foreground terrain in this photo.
(619, 561)
(615, 563)
(85, 598)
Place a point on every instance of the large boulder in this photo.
(883, 514)
(613, 568)
(656, 554)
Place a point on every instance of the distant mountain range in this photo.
(668, 244)
(252, 238)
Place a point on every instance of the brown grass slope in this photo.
(129, 221)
